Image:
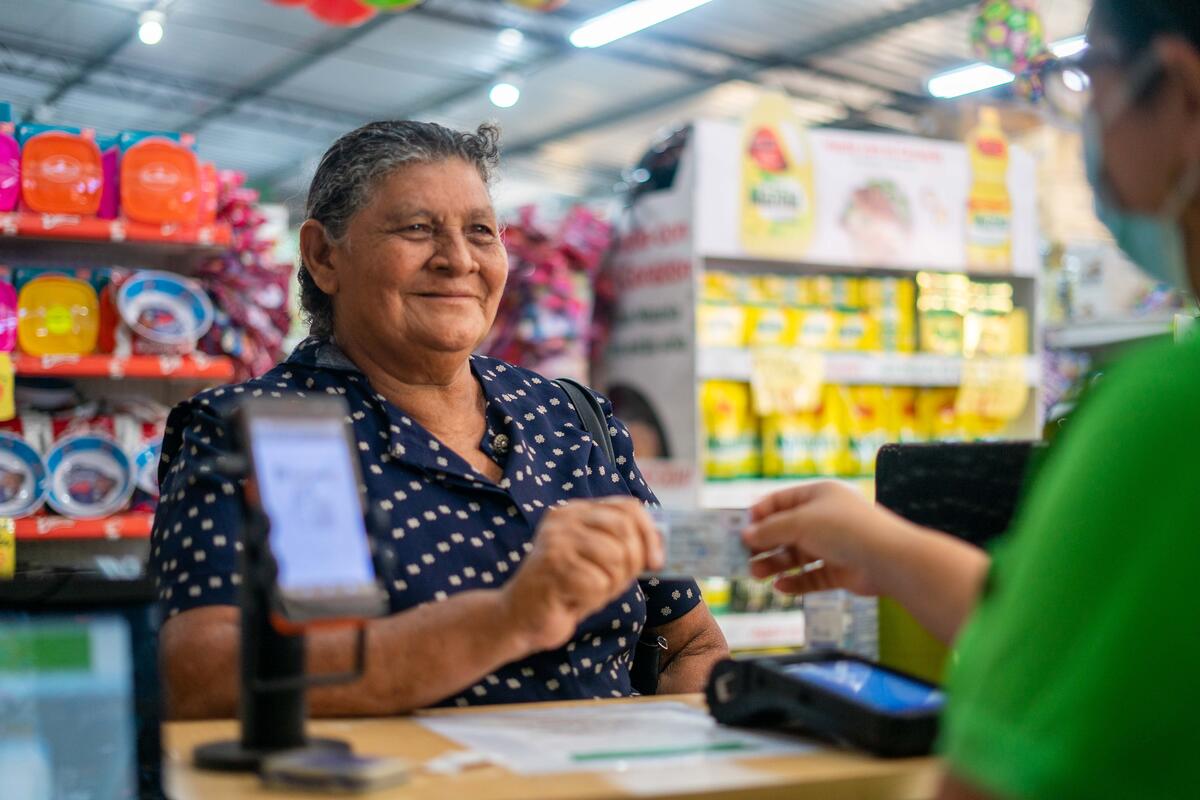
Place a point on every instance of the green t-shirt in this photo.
(1078, 675)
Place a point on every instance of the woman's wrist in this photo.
(514, 622)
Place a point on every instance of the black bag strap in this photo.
(591, 414)
(643, 672)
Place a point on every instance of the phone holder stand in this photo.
(272, 707)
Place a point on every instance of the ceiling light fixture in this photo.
(511, 38)
(629, 18)
(151, 27)
(978, 77)
(505, 94)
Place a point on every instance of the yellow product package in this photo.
(902, 422)
(823, 292)
(867, 416)
(847, 291)
(857, 331)
(783, 290)
(892, 301)
(937, 415)
(831, 440)
(787, 441)
(772, 326)
(721, 324)
(817, 329)
(720, 286)
(941, 332)
(730, 430)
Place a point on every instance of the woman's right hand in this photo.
(829, 522)
(585, 555)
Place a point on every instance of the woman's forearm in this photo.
(934, 576)
(417, 657)
(414, 658)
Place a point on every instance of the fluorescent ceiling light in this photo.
(979, 76)
(629, 18)
(505, 94)
(967, 80)
(1066, 48)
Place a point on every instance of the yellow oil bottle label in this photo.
(777, 181)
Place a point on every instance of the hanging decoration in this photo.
(346, 13)
(248, 286)
(393, 5)
(1009, 34)
(545, 321)
(544, 6)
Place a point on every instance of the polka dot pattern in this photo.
(449, 528)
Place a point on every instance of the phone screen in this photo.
(309, 491)
(869, 685)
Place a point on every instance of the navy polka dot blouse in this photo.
(450, 529)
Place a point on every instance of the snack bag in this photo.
(902, 422)
(847, 291)
(787, 441)
(730, 430)
(892, 302)
(857, 331)
(831, 440)
(772, 326)
(941, 332)
(816, 329)
(721, 324)
(784, 290)
(938, 416)
(867, 416)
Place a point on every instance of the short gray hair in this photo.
(354, 165)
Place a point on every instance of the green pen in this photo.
(617, 755)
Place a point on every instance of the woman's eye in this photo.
(482, 230)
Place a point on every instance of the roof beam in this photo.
(90, 67)
(329, 45)
(835, 40)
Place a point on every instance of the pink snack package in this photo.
(8, 317)
(110, 167)
(10, 168)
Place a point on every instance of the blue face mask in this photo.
(1155, 242)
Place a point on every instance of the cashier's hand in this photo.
(585, 554)
(828, 522)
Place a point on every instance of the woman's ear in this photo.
(1181, 60)
(316, 250)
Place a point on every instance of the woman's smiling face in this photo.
(421, 266)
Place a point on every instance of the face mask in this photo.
(1155, 242)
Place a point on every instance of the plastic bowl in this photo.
(90, 477)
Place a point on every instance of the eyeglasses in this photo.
(1066, 83)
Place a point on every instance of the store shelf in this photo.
(48, 528)
(1105, 333)
(851, 369)
(27, 225)
(742, 494)
(763, 630)
(218, 369)
(739, 262)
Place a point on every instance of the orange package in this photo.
(61, 173)
(160, 183)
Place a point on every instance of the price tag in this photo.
(8, 548)
(8, 408)
(995, 388)
(786, 381)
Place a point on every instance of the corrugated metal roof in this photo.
(583, 115)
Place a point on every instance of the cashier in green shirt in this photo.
(1078, 644)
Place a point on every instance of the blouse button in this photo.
(500, 443)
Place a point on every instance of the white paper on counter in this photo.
(620, 737)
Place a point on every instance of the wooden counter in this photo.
(827, 774)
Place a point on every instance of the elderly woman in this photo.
(518, 543)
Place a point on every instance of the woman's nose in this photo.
(454, 253)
